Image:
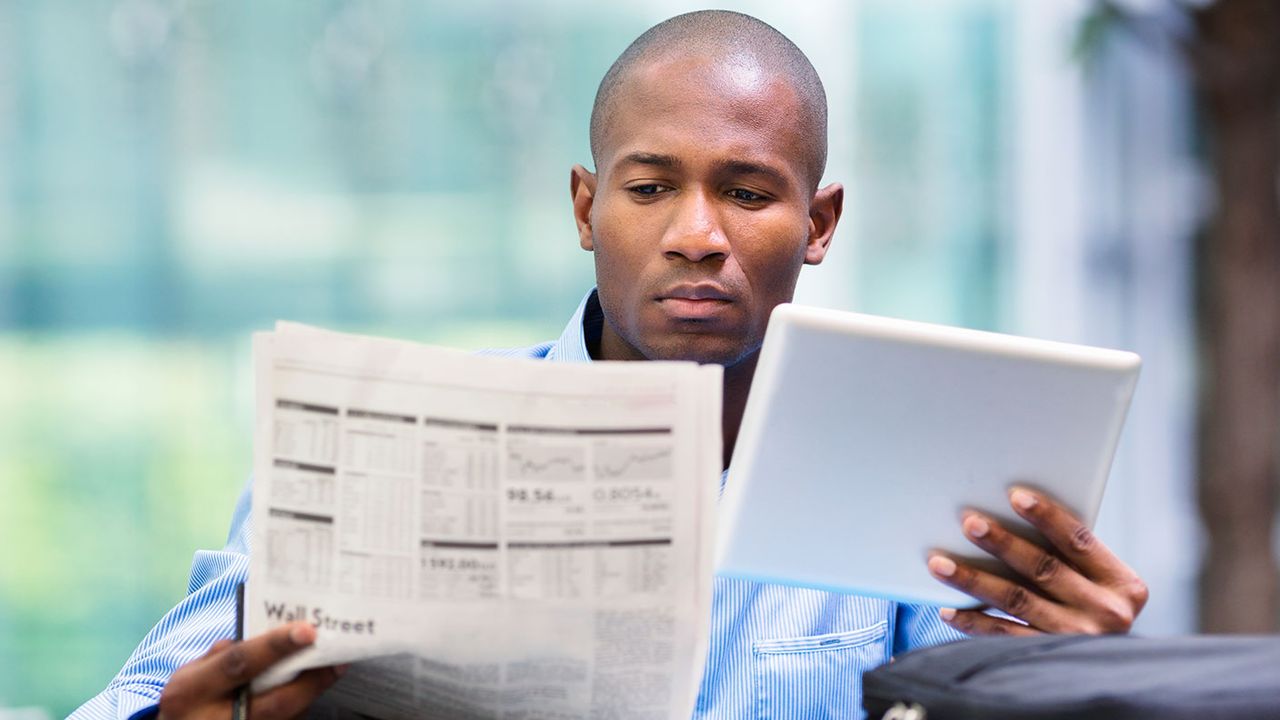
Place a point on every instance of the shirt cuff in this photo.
(138, 706)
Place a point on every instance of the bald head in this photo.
(736, 41)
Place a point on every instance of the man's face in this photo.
(702, 212)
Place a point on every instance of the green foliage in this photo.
(1099, 24)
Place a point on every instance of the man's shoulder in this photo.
(532, 352)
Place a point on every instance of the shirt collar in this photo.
(584, 327)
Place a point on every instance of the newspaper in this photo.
(488, 537)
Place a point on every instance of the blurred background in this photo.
(175, 174)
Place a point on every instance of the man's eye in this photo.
(645, 190)
(746, 196)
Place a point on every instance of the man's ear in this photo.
(824, 214)
(582, 188)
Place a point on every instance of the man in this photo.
(709, 141)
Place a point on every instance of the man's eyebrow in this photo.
(747, 167)
(669, 162)
(727, 167)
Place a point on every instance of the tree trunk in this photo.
(1235, 57)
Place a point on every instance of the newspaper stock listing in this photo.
(484, 537)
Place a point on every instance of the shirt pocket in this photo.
(816, 677)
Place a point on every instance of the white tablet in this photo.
(865, 438)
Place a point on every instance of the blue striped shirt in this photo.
(775, 651)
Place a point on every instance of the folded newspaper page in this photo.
(484, 537)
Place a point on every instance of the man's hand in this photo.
(1080, 588)
(205, 687)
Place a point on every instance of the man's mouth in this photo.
(698, 301)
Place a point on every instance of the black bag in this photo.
(1068, 677)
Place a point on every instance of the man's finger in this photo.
(1050, 575)
(1071, 537)
(292, 698)
(1004, 595)
(237, 664)
(975, 622)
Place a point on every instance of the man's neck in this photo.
(737, 383)
(608, 345)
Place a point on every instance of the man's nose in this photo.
(695, 231)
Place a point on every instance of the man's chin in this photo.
(705, 353)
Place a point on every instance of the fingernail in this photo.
(944, 566)
(302, 634)
(1022, 499)
(976, 526)
(947, 614)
